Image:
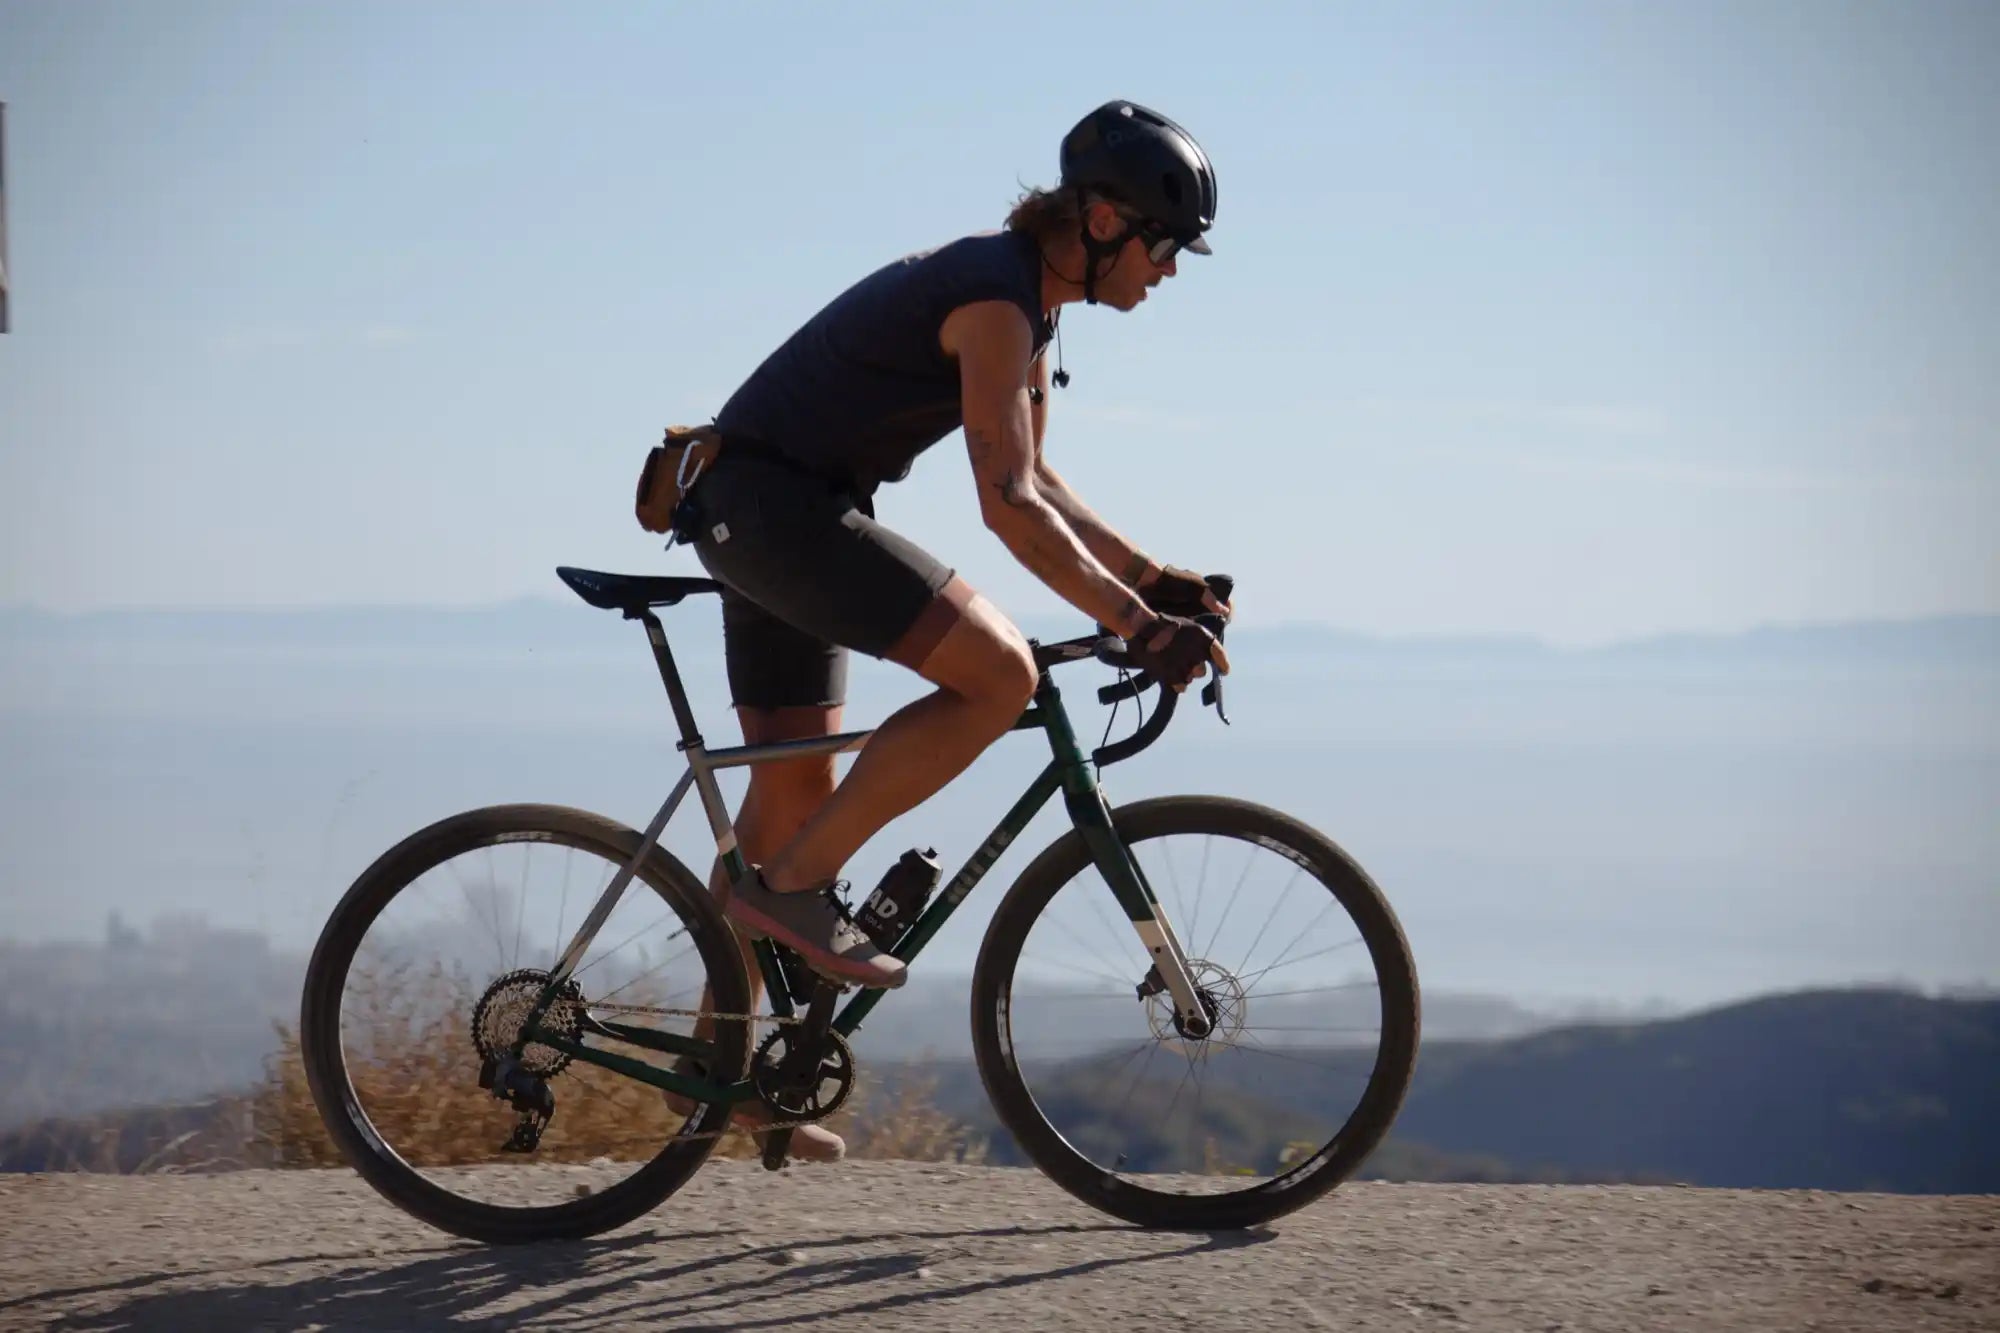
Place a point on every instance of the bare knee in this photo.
(1012, 686)
(984, 658)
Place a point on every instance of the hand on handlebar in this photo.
(1175, 650)
(1182, 592)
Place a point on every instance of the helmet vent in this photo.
(1172, 186)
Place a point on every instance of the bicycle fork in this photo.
(1120, 869)
(1114, 860)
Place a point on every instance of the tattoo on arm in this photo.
(1016, 486)
(982, 446)
(1132, 613)
(1013, 492)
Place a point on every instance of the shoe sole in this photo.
(684, 1106)
(826, 964)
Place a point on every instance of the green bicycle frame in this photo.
(1069, 770)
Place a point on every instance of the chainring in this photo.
(836, 1066)
(503, 1011)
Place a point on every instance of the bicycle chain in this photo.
(661, 1012)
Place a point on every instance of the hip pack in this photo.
(671, 467)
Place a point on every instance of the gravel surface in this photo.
(882, 1245)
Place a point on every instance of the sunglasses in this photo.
(1162, 243)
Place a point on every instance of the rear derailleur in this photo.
(526, 1093)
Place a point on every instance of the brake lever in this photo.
(1223, 586)
(1211, 694)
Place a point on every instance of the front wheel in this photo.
(1309, 984)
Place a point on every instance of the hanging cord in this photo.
(1054, 324)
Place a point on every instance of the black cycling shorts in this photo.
(808, 574)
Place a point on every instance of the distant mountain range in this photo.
(1835, 1089)
(546, 624)
(185, 1010)
(1856, 1089)
(1864, 1089)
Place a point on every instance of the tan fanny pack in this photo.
(671, 467)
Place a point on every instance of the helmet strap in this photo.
(1094, 249)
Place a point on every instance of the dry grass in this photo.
(416, 1073)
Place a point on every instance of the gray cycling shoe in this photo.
(812, 925)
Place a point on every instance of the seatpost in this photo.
(670, 676)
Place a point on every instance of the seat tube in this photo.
(670, 677)
(692, 746)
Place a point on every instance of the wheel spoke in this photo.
(1195, 1141)
(402, 1014)
(1249, 859)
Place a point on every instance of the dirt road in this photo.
(890, 1246)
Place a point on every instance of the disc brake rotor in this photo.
(1221, 995)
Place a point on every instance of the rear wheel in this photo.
(431, 962)
(1306, 975)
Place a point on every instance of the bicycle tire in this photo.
(1044, 1144)
(325, 1064)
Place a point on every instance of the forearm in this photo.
(1034, 531)
(1003, 428)
(1115, 552)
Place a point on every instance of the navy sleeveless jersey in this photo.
(862, 387)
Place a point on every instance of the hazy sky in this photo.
(1585, 320)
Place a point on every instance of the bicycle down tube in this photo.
(1069, 770)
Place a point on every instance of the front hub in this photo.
(1222, 1000)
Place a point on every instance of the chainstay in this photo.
(658, 1011)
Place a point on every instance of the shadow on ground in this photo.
(603, 1283)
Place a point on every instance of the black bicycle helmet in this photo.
(1147, 162)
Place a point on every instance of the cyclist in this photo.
(784, 518)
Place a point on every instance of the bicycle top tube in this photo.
(636, 595)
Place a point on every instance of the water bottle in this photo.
(899, 897)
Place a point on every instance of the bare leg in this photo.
(985, 675)
(782, 796)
